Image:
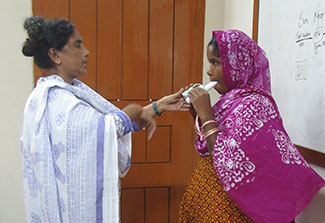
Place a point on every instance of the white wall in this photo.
(16, 83)
(239, 15)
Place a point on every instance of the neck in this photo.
(48, 72)
(66, 78)
(52, 71)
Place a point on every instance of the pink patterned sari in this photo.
(258, 165)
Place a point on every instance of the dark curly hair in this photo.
(44, 34)
(215, 48)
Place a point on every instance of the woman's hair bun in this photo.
(44, 34)
(34, 27)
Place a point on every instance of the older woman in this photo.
(249, 170)
(75, 144)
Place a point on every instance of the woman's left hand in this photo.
(173, 102)
(201, 103)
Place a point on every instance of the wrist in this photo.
(160, 105)
(134, 111)
(156, 106)
(206, 117)
(207, 128)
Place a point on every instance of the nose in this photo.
(209, 72)
(86, 53)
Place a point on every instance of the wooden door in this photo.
(141, 50)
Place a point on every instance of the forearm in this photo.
(193, 113)
(134, 111)
(211, 139)
(150, 110)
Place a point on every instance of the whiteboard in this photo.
(292, 33)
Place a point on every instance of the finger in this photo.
(195, 92)
(192, 93)
(180, 91)
(178, 95)
(150, 134)
(182, 104)
(184, 109)
(201, 90)
(186, 106)
(188, 86)
(151, 129)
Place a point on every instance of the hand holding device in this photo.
(206, 87)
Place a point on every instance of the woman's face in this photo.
(73, 58)
(215, 71)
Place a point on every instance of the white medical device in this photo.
(206, 87)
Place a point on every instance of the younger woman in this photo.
(249, 170)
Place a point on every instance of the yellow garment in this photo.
(205, 200)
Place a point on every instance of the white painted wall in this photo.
(16, 83)
(239, 15)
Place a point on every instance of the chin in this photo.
(82, 73)
(221, 91)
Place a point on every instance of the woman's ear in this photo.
(53, 54)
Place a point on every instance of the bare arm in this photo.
(134, 111)
(172, 102)
(201, 104)
(137, 114)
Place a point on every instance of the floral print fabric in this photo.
(75, 146)
(205, 200)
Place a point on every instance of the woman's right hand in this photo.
(143, 119)
(148, 122)
(200, 100)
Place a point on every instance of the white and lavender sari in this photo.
(75, 146)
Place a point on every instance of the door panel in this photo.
(133, 201)
(135, 49)
(83, 16)
(158, 148)
(173, 173)
(161, 33)
(157, 204)
(139, 146)
(109, 51)
(51, 8)
(188, 41)
(142, 202)
(142, 50)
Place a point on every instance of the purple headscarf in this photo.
(258, 165)
(244, 63)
